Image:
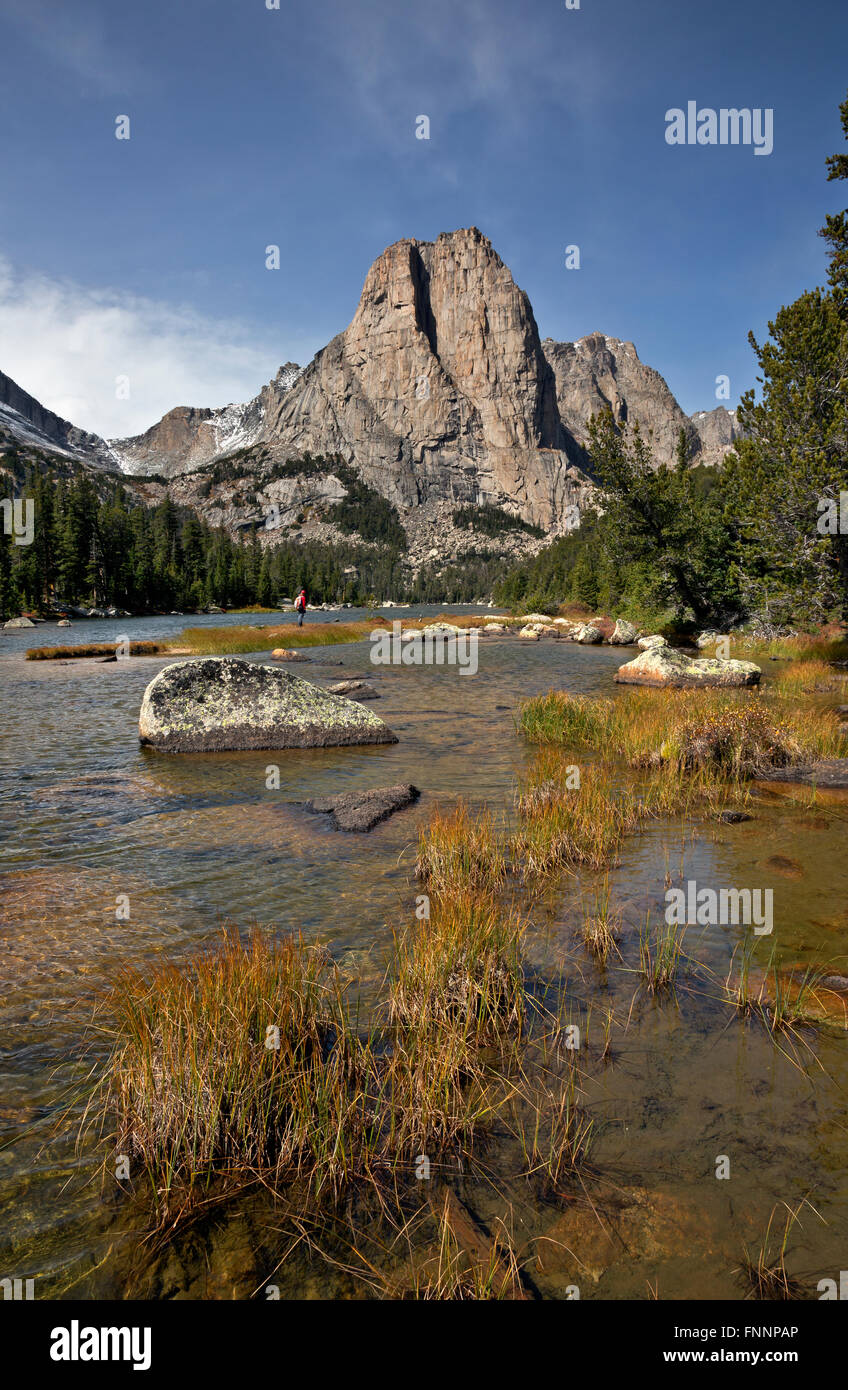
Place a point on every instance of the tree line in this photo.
(98, 545)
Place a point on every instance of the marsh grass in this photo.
(660, 954)
(812, 677)
(460, 851)
(562, 825)
(93, 649)
(802, 647)
(601, 928)
(553, 1130)
(764, 1271)
(230, 641)
(466, 1269)
(784, 1001)
(461, 973)
(729, 736)
(238, 1068)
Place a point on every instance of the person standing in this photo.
(300, 606)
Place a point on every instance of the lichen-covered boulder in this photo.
(530, 634)
(624, 634)
(219, 703)
(589, 635)
(647, 643)
(19, 622)
(667, 666)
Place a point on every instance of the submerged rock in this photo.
(665, 666)
(828, 772)
(733, 817)
(782, 864)
(219, 704)
(363, 810)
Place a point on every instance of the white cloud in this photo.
(66, 344)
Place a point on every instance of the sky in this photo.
(133, 272)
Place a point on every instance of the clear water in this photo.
(87, 815)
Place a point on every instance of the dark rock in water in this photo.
(733, 817)
(842, 711)
(219, 704)
(364, 810)
(355, 690)
(828, 772)
(782, 864)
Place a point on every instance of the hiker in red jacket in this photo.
(300, 606)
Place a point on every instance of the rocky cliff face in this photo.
(439, 389)
(599, 373)
(26, 421)
(718, 429)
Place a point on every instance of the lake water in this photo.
(87, 815)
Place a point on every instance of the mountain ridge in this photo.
(440, 394)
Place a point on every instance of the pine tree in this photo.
(835, 229)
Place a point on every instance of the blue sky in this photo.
(296, 127)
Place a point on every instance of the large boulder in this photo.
(19, 622)
(222, 703)
(667, 666)
(530, 634)
(624, 634)
(648, 643)
(604, 625)
(589, 634)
